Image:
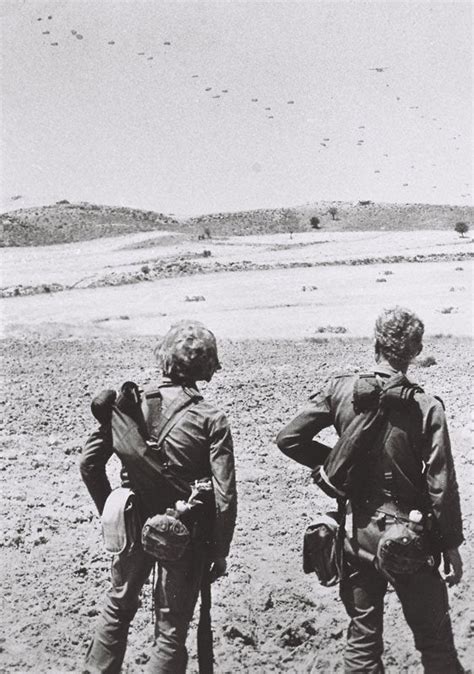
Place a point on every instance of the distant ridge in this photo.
(66, 222)
(355, 216)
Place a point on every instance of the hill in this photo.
(362, 215)
(65, 222)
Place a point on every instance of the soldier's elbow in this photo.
(284, 441)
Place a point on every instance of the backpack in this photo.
(384, 537)
(342, 473)
(139, 443)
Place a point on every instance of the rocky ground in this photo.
(268, 616)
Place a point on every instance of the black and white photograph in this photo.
(236, 310)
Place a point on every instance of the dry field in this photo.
(249, 287)
(268, 616)
(62, 347)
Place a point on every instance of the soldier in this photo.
(406, 473)
(195, 444)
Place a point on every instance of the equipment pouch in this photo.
(120, 521)
(320, 550)
(402, 551)
(165, 537)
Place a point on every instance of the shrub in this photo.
(146, 269)
(448, 310)
(314, 222)
(206, 253)
(194, 298)
(427, 362)
(380, 280)
(461, 228)
(335, 329)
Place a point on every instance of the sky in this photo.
(198, 107)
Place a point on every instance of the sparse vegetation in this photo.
(84, 221)
(64, 222)
(461, 228)
(289, 221)
(334, 329)
(309, 288)
(317, 340)
(427, 362)
(448, 310)
(194, 298)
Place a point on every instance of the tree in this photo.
(461, 228)
(289, 221)
(314, 222)
(332, 212)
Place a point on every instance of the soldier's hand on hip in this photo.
(453, 562)
(218, 568)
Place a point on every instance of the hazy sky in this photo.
(87, 120)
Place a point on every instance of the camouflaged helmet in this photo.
(188, 353)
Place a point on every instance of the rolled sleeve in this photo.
(442, 486)
(224, 483)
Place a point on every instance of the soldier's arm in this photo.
(296, 439)
(95, 455)
(442, 486)
(223, 479)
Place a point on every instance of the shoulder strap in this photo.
(161, 421)
(370, 393)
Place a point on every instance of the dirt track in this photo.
(267, 615)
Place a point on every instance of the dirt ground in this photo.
(267, 615)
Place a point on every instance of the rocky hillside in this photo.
(335, 216)
(65, 222)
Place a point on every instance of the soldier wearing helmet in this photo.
(402, 479)
(197, 446)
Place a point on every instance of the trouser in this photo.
(176, 593)
(424, 599)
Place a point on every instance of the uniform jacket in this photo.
(199, 445)
(418, 453)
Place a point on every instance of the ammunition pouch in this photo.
(321, 550)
